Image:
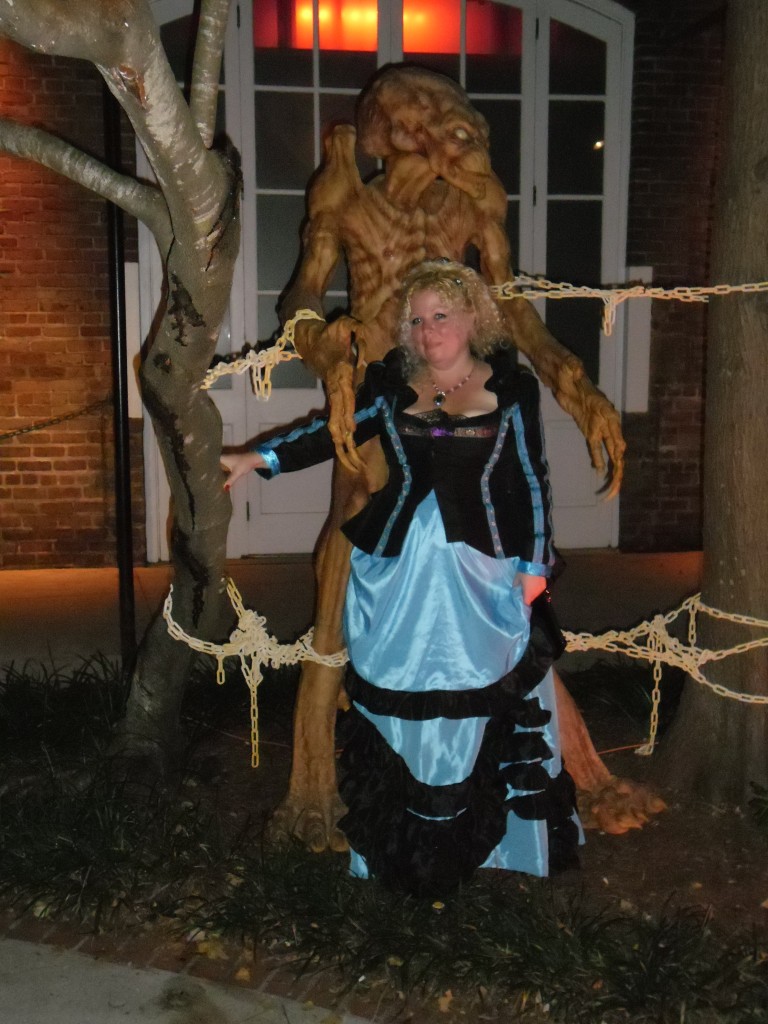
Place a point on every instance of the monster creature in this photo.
(437, 196)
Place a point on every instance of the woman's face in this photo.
(440, 331)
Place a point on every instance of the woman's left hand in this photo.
(532, 586)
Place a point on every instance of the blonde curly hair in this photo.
(461, 288)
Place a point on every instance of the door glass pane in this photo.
(576, 324)
(494, 47)
(574, 240)
(513, 233)
(574, 244)
(282, 42)
(178, 39)
(576, 142)
(432, 34)
(293, 374)
(351, 70)
(284, 159)
(349, 26)
(278, 226)
(503, 117)
(348, 42)
(576, 61)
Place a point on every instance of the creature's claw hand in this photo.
(314, 825)
(341, 422)
(603, 431)
(596, 418)
(618, 806)
(332, 351)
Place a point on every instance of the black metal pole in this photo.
(120, 370)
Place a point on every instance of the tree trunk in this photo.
(188, 429)
(718, 746)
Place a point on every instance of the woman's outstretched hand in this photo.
(532, 586)
(239, 464)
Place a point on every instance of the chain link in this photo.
(527, 287)
(57, 419)
(253, 646)
(261, 364)
(650, 641)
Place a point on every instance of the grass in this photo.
(79, 841)
(624, 686)
(501, 941)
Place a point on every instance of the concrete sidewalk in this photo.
(44, 985)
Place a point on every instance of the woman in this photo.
(451, 755)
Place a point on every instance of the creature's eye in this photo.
(462, 134)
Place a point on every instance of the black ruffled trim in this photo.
(503, 697)
(454, 704)
(385, 802)
(383, 823)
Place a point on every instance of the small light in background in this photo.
(600, 144)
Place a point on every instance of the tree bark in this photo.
(194, 215)
(718, 747)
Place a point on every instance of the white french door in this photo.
(553, 79)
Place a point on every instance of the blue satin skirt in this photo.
(452, 744)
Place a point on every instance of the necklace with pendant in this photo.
(441, 395)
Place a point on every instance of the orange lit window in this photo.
(350, 25)
(431, 26)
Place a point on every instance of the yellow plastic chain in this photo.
(526, 287)
(254, 646)
(262, 363)
(650, 641)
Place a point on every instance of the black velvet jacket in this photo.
(489, 472)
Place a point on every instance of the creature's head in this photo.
(408, 109)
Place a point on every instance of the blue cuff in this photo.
(272, 461)
(534, 568)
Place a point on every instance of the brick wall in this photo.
(57, 504)
(677, 76)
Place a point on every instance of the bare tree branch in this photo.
(69, 29)
(145, 202)
(192, 178)
(209, 49)
(121, 38)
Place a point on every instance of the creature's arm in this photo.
(328, 349)
(556, 367)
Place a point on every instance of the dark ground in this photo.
(690, 856)
(693, 854)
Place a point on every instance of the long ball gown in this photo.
(451, 755)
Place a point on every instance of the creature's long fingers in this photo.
(616, 446)
(617, 475)
(344, 440)
(595, 445)
(342, 420)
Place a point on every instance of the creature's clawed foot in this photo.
(313, 823)
(618, 806)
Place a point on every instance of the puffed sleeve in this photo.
(311, 443)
